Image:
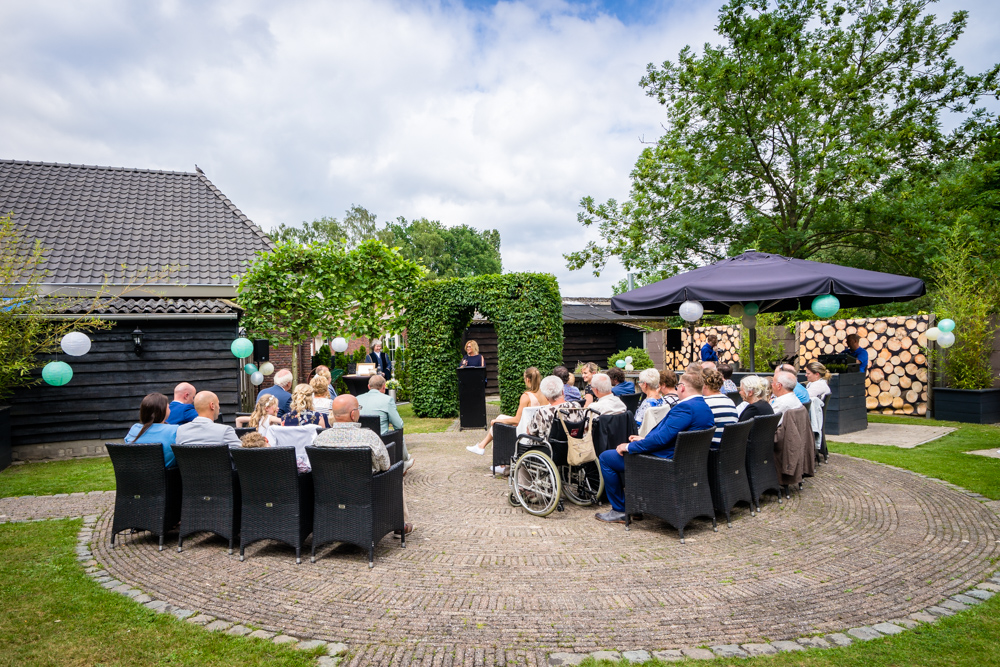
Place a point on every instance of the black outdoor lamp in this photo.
(137, 341)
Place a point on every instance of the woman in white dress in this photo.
(816, 378)
(531, 398)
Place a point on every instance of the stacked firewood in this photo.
(728, 348)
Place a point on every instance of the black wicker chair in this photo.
(727, 470)
(148, 495)
(372, 423)
(735, 397)
(823, 451)
(212, 499)
(504, 444)
(352, 504)
(632, 401)
(675, 490)
(240, 432)
(762, 474)
(393, 441)
(277, 502)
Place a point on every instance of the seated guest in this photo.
(649, 384)
(588, 371)
(472, 358)
(783, 396)
(694, 367)
(383, 366)
(321, 395)
(302, 411)
(668, 388)
(570, 393)
(153, 426)
(708, 366)
(855, 350)
(800, 392)
(607, 403)
(552, 387)
(281, 390)
(723, 408)
(325, 372)
(817, 375)
(531, 398)
(253, 439)
(181, 409)
(708, 352)
(345, 431)
(377, 403)
(264, 414)
(690, 414)
(202, 430)
(619, 385)
(728, 386)
(753, 389)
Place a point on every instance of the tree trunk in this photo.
(295, 363)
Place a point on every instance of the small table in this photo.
(356, 384)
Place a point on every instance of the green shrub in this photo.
(526, 312)
(640, 358)
(401, 372)
(323, 358)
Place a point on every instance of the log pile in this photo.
(728, 348)
(898, 369)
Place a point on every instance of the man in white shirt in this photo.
(783, 388)
(202, 430)
(606, 403)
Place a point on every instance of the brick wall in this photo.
(281, 357)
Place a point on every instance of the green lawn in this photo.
(414, 424)
(54, 614)
(47, 478)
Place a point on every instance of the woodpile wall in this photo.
(728, 348)
(897, 372)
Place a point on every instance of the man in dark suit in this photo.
(691, 413)
(282, 387)
(383, 366)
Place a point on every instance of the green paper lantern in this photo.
(250, 369)
(620, 363)
(826, 305)
(946, 325)
(242, 347)
(751, 309)
(57, 373)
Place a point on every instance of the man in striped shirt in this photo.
(723, 408)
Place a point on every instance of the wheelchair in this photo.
(540, 475)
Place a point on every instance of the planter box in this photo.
(845, 408)
(5, 445)
(972, 406)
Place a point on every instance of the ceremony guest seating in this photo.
(148, 495)
(393, 441)
(632, 402)
(794, 449)
(735, 397)
(762, 473)
(212, 492)
(240, 432)
(504, 443)
(372, 423)
(351, 504)
(277, 502)
(610, 430)
(675, 490)
(727, 469)
(823, 451)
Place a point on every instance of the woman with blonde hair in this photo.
(264, 414)
(588, 370)
(531, 398)
(301, 410)
(321, 397)
(754, 390)
(816, 378)
(472, 358)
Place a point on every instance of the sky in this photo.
(492, 114)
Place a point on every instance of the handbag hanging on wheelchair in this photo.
(579, 440)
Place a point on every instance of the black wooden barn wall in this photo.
(102, 400)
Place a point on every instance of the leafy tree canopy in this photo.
(775, 138)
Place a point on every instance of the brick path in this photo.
(482, 583)
(36, 508)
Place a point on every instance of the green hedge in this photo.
(640, 358)
(526, 311)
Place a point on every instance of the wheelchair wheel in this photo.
(584, 484)
(536, 483)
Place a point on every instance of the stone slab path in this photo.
(904, 436)
(990, 453)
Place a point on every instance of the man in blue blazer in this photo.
(691, 413)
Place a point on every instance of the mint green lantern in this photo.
(242, 347)
(826, 305)
(751, 309)
(250, 369)
(946, 325)
(57, 373)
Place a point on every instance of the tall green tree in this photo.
(359, 225)
(807, 107)
(447, 252)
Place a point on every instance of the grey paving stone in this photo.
(637, 655)
(698, 653)
(328, 661)
(103, 580)
(965, 599)
(729, 651)
(556, 659)
(60, 495)
(813, 642)
(310, 644)
(907, 623)
(980, 593)
(669, 655)
(239, 630)
(995, 579)
(183, 613)
(133, 593)
(953, 605)
(924, 617)
(606, 655)
(336, 648)
(788, 647)
(99, 573)
(261, 634)
(756, 650)
(216, 626)
(111, 583)
(940, 611)
(839, 639)
(284, 639)
(201, 619)
(988, 586)
(143, 599)
(122, 588)
(888, 628)
(864, 633)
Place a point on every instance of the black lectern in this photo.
(471, 398)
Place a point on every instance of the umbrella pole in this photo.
(753, 343)
(695, 357)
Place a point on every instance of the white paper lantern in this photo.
(339, 344)
(933, 333)
(691, 311)
(628, 360)
(736, 310)
(629, 367)
(946, 339)
(749, 321)
(266, 368)
(75, 344)
(257, 378)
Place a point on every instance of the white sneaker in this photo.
(476, 450)
(498, 470)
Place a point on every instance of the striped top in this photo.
(724, 412)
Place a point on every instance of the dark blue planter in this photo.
(972, 406)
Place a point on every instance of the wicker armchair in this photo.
(212, 499)
(372, 423)
(632, 402)
(277, 502)
(727, 475)
(504, 444)
(676, 490)
(393, 441)
(242, 431)
(148, 494)
(823, 451)
(352, 504)
(762, 474)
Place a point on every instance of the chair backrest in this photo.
(761, 441)
(205, 468)
(733, 447)
(139, 469)
(267, 474)
(240, 432)
(735, 397)
(691, 450)
(610, 430)
(393, 441)
(293, 436)
(372, 423)
(632, 401)
(342, 475)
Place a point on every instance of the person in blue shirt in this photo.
(691, 413)
(861, 354)
(182, 407)
(281, 390)
(708, 352)
(619, 386)
(570, 393)
(153, 413)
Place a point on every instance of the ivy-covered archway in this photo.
(524, 308)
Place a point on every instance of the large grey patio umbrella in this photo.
(773, 282)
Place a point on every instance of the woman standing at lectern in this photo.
(472, 357)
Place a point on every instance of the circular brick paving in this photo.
(484, 583)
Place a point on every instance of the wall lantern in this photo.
(137, 341)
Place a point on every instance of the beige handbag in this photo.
(579, 450)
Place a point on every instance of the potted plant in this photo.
(966, 301)
(392, 386)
